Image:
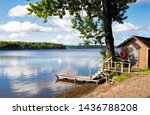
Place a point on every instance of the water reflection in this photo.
(35, 89)
(31, 73)
(24, 71)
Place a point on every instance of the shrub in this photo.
(118, 78)
(145, 70)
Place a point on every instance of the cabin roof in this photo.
(144, 40)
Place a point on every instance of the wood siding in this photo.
(142, 52)
(149, 58)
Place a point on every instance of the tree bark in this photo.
(107, 26)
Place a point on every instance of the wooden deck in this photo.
(78, 79)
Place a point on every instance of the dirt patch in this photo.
(78, 90)
(134, 87)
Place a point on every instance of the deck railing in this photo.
(97, 63)
(110, 65)
(100, 63)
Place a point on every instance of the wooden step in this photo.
(101, 74)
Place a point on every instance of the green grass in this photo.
(144, 70)
(118, 78)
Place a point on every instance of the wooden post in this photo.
(111, 62)
(108, 66)
(90, 73)
(75, 80)
(129, 68)
(122, 67)
(115, 67)
(97, 82)
(106, 79)
(57, 77)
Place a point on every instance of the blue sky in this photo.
(16, 25)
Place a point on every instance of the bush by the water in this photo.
(29, 45)
(118, 78)
(145, 70)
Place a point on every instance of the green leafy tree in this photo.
(4, 45)
(87, 42)
(79, 44)
(92, 18)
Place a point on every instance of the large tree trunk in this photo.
(109, 40)
(107, 23)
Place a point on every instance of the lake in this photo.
(31, 73)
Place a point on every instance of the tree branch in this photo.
(96, 6)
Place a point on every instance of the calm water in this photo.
(32, 73)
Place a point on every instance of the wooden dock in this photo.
(78, 79)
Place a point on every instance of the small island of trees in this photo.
(5, 45)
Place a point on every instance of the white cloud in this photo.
(63, 24)
(18, 11)
(148, 27)
(68, 39)
(2, 37)
(24, 27)
(22, 31)
(13, 37)
(17, 35)
(124, 27)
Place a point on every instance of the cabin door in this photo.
(149, 58)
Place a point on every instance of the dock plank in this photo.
(76, 78)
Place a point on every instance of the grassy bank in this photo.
(145, 70)
(118, 78)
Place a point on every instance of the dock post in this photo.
(75, 80)
(57, 78)
(115, 66)
(111, 62)
(129, 68)
(90, 73)
(108, 66)
(122, 67)
(106, 80)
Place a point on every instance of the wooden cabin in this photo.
(136, 49)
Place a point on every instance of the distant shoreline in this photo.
(18, 45)
(4, 45)
(83, 47)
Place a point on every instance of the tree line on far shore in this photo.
(5, 45)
